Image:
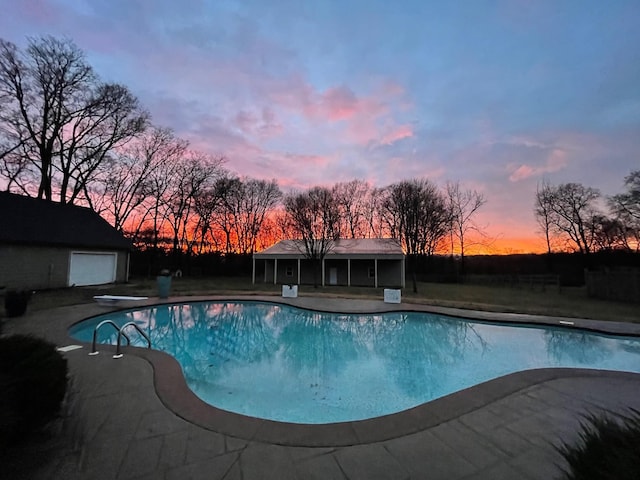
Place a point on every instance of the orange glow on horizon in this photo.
(270, 234)
(509, 246)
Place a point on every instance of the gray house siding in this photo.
(360, 273)
(287, 272)
(388, 273)
(308, 272)
(341, 272)
(122, 269)
(42, 267)
(33, 267)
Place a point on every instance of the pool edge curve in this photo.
(173, 391)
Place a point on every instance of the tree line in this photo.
(67, 136)
(574, 217)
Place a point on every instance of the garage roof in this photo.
(26, 220)
(357, 247)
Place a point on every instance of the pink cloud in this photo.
(245, 121)
(338, 103)
(42, 11)
(398, 133)
(265, 124)
(522, 172)
(306, 160)
(362, 132)
(355, 118)
(391, 89)
(294, 171)
(556, 160)
(260, 104)
(270, 126)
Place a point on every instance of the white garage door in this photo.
(90, 268)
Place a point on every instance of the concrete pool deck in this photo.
(134, 418)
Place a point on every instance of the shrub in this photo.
(33, 383)
(15, 302)
(608, 448)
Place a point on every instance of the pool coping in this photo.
(175, 394)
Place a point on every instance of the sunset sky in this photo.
(495, 94)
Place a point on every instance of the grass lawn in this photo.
(570, 302)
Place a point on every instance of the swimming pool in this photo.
(287, 364)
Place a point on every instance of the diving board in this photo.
(107, 300)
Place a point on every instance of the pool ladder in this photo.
(121, 334)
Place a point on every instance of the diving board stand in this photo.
(109, 300)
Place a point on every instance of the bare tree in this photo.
(269, 232)
(283, 227)
(314, 216)
(571, 213)
(543, 212)
(13, 162)
(127, 181)
(62, 116)
(463, 205)
(374, 213)
(626, 208)
(158, 188)
(209, 206)
(248, 205)
(609, 234)
(416, 213)
(110, 117)
(353, 199)
(192, 174)
(222, 208)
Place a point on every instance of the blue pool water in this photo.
(282, 363)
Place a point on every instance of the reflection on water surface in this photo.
(282, 363)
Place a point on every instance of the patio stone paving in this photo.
(119, 425)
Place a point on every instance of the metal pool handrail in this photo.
(95, 335)
(121, 333)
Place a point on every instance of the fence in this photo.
(533, 281)
(621, 285)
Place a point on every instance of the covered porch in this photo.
(365, 262)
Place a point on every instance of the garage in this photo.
(57, 245)
(91, 268)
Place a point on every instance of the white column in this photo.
(323, 272)
(275, 270)
(298, 271)
(348, 272)
(402, 269)
(375, 268)
(128, 265)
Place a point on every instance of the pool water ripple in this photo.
(282, 363)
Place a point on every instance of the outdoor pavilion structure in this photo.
(373, 262)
